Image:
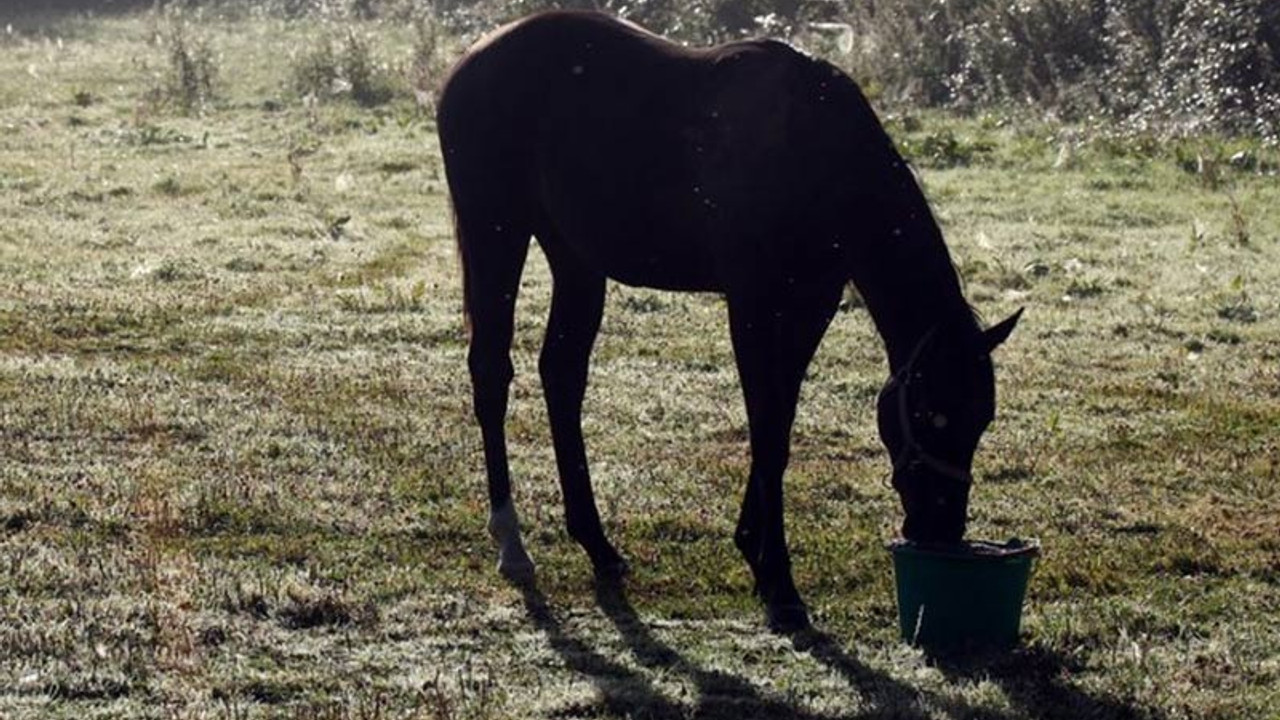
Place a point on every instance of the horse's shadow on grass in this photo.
(628, 693)
(1036, 682)
(721, 694)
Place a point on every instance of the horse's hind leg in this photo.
(493, 256)
(577, 303)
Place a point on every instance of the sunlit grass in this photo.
(241, 477)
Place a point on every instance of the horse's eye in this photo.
(939, 420)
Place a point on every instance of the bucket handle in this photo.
(915, 636)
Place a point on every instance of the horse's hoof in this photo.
(787, 619)
(518, 572)
(612, 571)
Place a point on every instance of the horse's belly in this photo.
(633, 251)
(635, 221)
(665, 272)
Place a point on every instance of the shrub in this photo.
(369, 83)
(1221, 65)
(969, 51)
(342, 64)
(694, 21)
(1202, 64)
(1187, 65)
(189, 78)
(427, 63)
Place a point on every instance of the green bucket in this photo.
(963, 596)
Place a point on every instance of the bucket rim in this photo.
(968, 550)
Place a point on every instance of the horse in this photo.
(748, 169)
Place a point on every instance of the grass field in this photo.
(239, 475)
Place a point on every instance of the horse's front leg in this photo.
(577, 304)
(773, 340)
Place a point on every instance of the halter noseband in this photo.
(913, 453)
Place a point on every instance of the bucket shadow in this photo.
(890, 697)
(1037, 682)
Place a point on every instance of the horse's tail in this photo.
(460, 249)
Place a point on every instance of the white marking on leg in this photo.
(513, 561)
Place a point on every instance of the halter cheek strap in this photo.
(913, 453)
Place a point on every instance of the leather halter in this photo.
(913, 453)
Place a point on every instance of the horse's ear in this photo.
(995, 335)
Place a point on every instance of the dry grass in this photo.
(240, 476)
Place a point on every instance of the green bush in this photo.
(191, 72)
(341, 64)
(427, 63)
(1220, 66)
(1200, 64)
(1184, 65)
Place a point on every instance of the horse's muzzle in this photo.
(939, 519)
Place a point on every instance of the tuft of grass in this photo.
(1237, 222)
(306, 607)
(387, 297)
(943, 149)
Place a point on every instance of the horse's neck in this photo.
(908, 282)
(905, 314)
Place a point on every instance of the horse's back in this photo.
(538, 61)
(651, 160)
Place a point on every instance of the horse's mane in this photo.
(857, 109)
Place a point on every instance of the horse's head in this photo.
(931, 414)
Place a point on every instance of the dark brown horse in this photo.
(748, 169)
